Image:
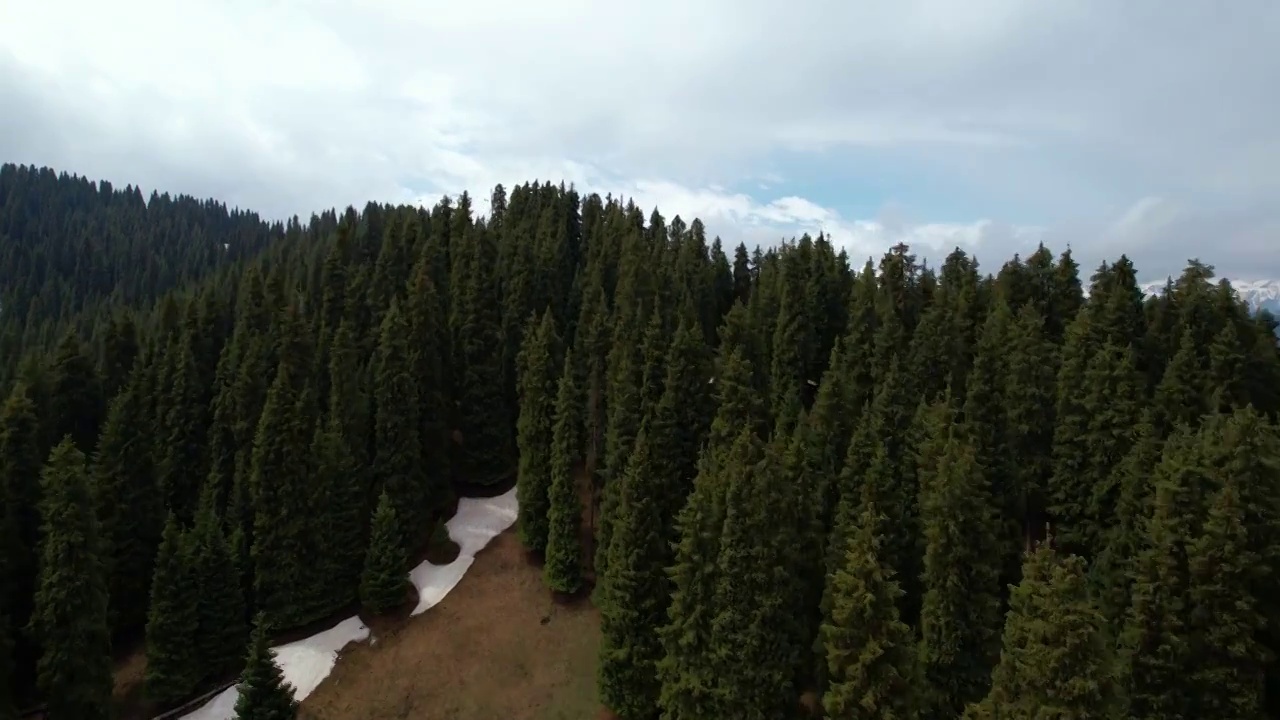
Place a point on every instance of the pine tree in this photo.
(428, 322)
(960, 617)
(870, 661)
(221, 632)
(282, 526)
(687, 671)
(20, 466)
(70, 615)
(563, 570)
(1229, 675)
(1028, 388)
(538, 377)
(632, 598)
(264, 693)
(382, 584)
(339, 497)
(397, 465)
(1082, 496)
(1054, 663)
(488, 447)
(174, 667)
(1154, 643)
(76, 400)
(182, 457)
(752, 635)
(129, 509)
(623, 403)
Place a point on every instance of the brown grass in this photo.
(498, 647)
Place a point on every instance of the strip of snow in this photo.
(477, 521)
(304, 663)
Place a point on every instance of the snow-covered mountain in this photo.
(1258, 294)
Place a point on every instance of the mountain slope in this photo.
(1257, 294)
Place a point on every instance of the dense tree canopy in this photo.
(802, 474)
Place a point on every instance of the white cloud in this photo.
(290, 106)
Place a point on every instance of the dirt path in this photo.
(496, 648)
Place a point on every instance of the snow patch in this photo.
(1257, 294)
(304, 663)
(477, 521)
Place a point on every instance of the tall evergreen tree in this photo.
(752, 635)
(632, 599)
(76, 400)
(871, 666)
(264, 693)
(1054, 661)
(221, 632)
(129, 508)
(486, 422)
(182, 452)
(1229, 674)
(397, 465)
(20, 466)
(174, 667)
(340, 513)
(687, 670)
(960, 618)
(563, 570)
(382, 584)
(70, 615)
(1155, 647)
(281, 452)
(538, 378)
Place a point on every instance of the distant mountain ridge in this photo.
(1257, 294)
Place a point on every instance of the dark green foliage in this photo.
(960, 617)
(264, 693)
(1154, 643)
(623, 403)
(382, 584)
(1230, 670)
(538, 381)
(397, 466)
(267, 398)
(1093, 435)
(633, 593)
(753, 632)
(1055, 661)
(221, 632)
(76, 401)
(340, 512)
(1028, 392)
(181, 464)
(563, 569)
(20, 465)
(282, 526)
(129, 508)
(687, 670)
(485, 419)
(70, 616)
(871, 666)
(428, 323)
(174, 667)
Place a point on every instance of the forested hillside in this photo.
(884, 490)
(75, 251)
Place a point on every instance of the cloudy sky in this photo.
(1140, 126)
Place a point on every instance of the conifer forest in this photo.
(813, 485)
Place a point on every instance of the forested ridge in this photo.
(880, 490)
